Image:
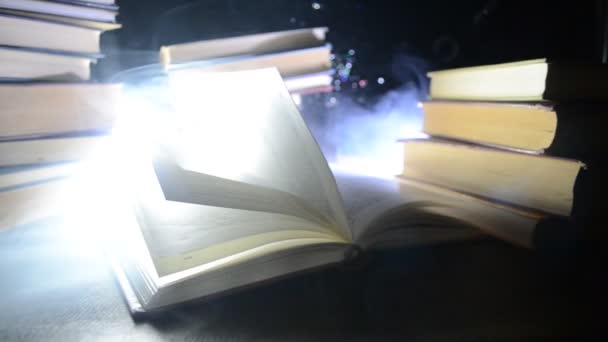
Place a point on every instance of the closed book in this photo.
(290, 63)
(30, 193)
(97, 25)
(51, 150)
(570, 130)
(35, 64)
(69, 9)
(310, 83)
(531, 80)
(45, 34)
(26, 204)
(89, 3)
(248, 45)
(538, 182)
(20, 176)
(51, 109)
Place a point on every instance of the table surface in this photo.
(55, 285)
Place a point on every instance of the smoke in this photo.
(364, 139)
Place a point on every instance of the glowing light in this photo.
(344, 74)
(385, 162)
(332, 101)
(419, 105)
(101, 182)
(412, 133)
(380, 80)
(349, 65)
(204, 133)
(387, 167)
(362, 83)
(379, 156)
(316, 6)
(297, 99)
(351, 52)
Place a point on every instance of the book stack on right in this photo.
(524, 134)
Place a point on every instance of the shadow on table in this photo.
(475, 289)
(57, 286)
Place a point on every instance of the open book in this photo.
(242, 194)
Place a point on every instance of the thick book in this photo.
(563, 129)
(238, 192)
(289, 63)
(75, 9)
(538, 182)
(18, 64)
(97, 25)
(103, 2)
(45, 34)
(50, 109)
(250, 45)
(519, 126)
(310, 83)
(19, 176)
(28, 194)
(51, 150)
(87, 3)
(28, 204)
(532, 80)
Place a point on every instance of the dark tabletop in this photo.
(55, 285)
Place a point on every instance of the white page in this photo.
(181, 235)
(366, 198)
(199, 188)
(244, 127)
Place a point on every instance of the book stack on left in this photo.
(51, 114)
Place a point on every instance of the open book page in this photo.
(181, 236)
(261, 264)
(244, 127)
(366, 198)
(199, 188)
(382, 211)
(380, 215)
(504, 222)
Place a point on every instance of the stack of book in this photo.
(513, 133)
(56, 40)
(49, 113)
(301, 56)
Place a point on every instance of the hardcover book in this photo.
(237, 192)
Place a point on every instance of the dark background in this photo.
(389, 44)
(390, 38)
